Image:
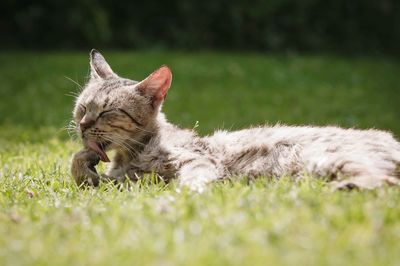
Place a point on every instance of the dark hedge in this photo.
(275, 25)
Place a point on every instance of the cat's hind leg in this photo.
(365, 182)
(368, 176)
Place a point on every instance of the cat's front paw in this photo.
(197, 175)
(83, 167)
(193, 184)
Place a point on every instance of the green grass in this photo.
(46, 220)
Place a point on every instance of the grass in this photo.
(46, 220)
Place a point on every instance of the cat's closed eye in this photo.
(110, 112)
(112, 115)
(118, 112)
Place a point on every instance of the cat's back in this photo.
(305, 136)
(280, 150)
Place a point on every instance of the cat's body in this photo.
(124, 115)
(331, 152)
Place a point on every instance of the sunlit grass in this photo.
(45, 219)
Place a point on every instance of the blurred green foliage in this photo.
(219, 90)
(275, 25)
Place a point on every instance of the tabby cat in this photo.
(115, 113)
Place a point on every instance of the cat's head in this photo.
(112, 112)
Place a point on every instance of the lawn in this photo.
(46, 220)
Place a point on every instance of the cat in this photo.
(115, 113)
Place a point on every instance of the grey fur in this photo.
(145, 142)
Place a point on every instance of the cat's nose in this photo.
(86, 123)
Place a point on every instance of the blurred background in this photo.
(274, 25)
(236, 63)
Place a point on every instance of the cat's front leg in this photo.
(196, 174)
(84, 171)
(83, 167)
(117, 173)
(121, 168)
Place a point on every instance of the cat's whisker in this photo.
(72, 94)
(129, 149)
(71, 129)
(144, 130)
(127, 145)
(77, 93)
(75, 82)
(68, 129)
(138, 142)
(72, 134)
(131, 139)
(135, 141)
(70, 126)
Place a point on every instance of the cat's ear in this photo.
(99, 67)
(156, 85)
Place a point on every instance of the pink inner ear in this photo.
(162, 80)
(158, 82)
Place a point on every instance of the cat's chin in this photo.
(99, 148)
